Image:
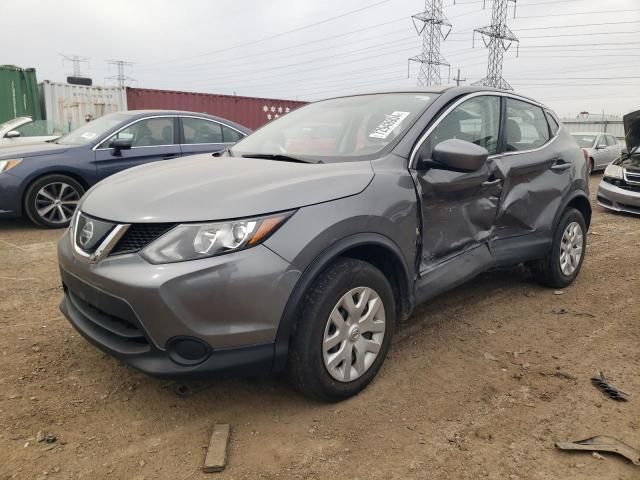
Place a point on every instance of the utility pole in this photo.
(121, 78)
(76, 60)
(497, 37)
(458, 79)
(434, 27)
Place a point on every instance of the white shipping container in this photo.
(74, 105)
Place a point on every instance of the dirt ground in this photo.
(479, 383)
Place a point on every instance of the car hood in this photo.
(32, 150)
(202, 188)
(632, 129)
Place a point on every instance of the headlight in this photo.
(191, 241)
(9, 164)
(614, 171)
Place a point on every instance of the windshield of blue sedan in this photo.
(341, 128)
(92, 131)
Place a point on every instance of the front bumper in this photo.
(231, 305)
(618, 199)
(10, 195)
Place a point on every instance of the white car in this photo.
(601, 148)
(25, 130)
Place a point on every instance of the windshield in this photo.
(13, 122)
(584, 141)
(93, 130)
(337, 129)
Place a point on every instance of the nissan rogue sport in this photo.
(303, 246)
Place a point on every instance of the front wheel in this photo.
(343, 332)
(563, 262)
(51, 200)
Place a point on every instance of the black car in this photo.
(45, 181)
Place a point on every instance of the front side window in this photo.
(584, 141)
(610, 140)
(339, 129)
(526, 126)
(476, 120)
(197, 130)
(150, 132)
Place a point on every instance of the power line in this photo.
(271, 37)
(75, 60)
(433, 26)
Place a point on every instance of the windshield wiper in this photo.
(276, 156)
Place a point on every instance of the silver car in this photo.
(619, 189)
(24, 130)
(600, 148)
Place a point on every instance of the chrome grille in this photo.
(632, 176)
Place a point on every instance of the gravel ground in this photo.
(479, 383)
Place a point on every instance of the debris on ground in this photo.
(488, 356)
(216, 458)
(603, 443)
(558, 292)
(45, 437)
(601, 383)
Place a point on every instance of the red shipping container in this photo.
(248, 111)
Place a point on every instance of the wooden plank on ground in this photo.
(216, 458)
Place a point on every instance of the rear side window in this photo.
(610, 140)
(229, 135)
(197, 130)
(477, 121)
(526, 126)
(553, 125)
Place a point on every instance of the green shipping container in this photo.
(19, 93)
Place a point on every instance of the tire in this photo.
(549, 270)
(308, 355)
(590, 167)
(41, 196)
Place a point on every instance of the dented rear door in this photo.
(535, 171)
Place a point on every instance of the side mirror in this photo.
(460, 155)
(120, 144)
(12, 134)
(601, 146)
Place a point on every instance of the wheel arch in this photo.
(580, 202)
(78, 178)
(374, 248)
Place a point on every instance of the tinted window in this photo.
(338, 129)
(149, 132)
(477, 121)
(553, 125)
(197, 130)
(229, 135)
(526, 126)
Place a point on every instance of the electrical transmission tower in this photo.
(434, 27)
(121, 78)
(76, 60)
(497, 37)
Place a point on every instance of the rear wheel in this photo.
(590, 167)
(343, 332)
(51, 200)
(563, 262)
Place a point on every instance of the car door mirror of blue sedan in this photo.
(120, 144)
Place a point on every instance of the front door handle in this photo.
(491, 183)
(560, 165)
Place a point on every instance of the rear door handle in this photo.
(560, 165)
(491, 183)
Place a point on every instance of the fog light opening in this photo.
(188, 350)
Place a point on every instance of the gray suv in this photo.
(302, 247)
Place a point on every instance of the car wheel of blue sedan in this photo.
(51, 200)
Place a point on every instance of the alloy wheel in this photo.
(354, 334)
(571, 248)
(56, 202)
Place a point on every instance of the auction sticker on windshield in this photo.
(389, 124)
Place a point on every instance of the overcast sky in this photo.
(574, 55)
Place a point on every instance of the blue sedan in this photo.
(45, 181)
